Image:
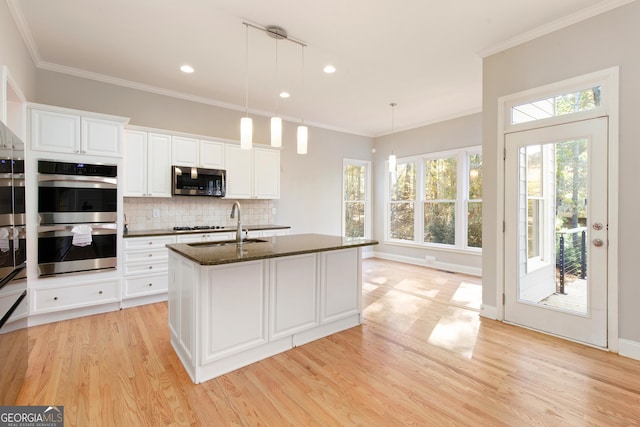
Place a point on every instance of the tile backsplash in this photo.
(192, 211)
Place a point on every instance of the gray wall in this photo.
(601, 42)
(451, 134)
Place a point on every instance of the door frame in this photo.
(609, 80)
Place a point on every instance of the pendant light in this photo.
(246, 124)
(392, 156)
(303, 131)
(276, 122)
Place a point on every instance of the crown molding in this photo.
(556, 25)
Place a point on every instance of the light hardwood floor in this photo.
(422, 357)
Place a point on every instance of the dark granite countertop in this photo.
(212, 253)
(170, 232)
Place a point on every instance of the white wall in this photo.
(604, 41)
(451, 134)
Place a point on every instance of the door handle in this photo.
(598, 242)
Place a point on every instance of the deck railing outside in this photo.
(571, 256)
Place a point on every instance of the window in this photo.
(567, 103)
(356, 184)
(436, 200)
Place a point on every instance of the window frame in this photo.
(368, 220)
(461, 201)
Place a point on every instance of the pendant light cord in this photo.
(246, 50)
(302, 84)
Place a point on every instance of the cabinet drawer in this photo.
(147, 285)
(151, 255)
(146, 268)
(76, 296)
(155, 242)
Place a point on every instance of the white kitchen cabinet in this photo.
(239, 166)
(211, 154)
(252, 174)
(197, 153)
(147, 164)
(64, 132)
(78, 295)
(293, 295)
(145, 266)
(185, 151)
(266, 179)
(205, 237)
(340, 286)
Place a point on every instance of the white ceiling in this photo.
(425, 55)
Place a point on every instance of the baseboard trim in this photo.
(456, 268)
(489, 311)
(629, 349)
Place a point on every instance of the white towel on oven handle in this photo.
(81, 235)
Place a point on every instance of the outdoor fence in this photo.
(571, 256)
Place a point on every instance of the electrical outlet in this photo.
(273, 211)
(156, 213)
(429, 259)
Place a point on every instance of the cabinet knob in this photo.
(150, 255)
(150, 284)
(99, 292)
(151, 243)
(150, 267)
(55, 298)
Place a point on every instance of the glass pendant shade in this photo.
(246, 133)
(392, 162)
(303, 136)
(276, 132)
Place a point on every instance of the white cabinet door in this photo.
(185, 151)
(233, 294)
(266, 173)
(293, 294)
(57, 132)
(101, 137)
(135, 164)
(239, 165)
(340, 285)
(159, 165)
(211, 154)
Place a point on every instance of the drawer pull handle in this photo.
(55, 298)
(150, 284)
(150, 255)
(150, 267)
(99, 292)
(151, 243)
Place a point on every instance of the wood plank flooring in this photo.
(422, 357)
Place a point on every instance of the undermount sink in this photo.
(224, 243)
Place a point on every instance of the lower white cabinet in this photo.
(78, 295)
(205, 237)
(223, 317)
(145, 266)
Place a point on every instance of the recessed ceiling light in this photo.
(187, 69)
(284, 94)
(329, 69)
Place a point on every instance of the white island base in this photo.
(223, 317)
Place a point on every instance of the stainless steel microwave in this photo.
(190, 181)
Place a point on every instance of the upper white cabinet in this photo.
(147, 164)
(197, 153)
(67, 132)
(266, 179)
(252, 174)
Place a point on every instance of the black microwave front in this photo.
(190, 181)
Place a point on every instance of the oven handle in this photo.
(61, 230)
(46, 180)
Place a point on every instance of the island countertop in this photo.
(213, 253)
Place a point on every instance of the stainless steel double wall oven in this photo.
(77, 211)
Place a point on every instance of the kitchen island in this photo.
(231, 305)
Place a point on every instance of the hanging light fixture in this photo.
(246, 124)
(276, 121)
(303, 131)
(392, 156)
